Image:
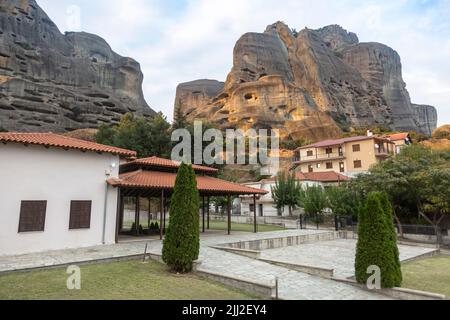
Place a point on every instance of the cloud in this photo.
(177, 41)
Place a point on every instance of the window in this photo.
(357, 164)
(252, 207)
(32, 216)
(341, 167)
(329, 151)
(318, 166)
(356, 148)
(310, 153)
(310, 168)
(329, 165)
(80, 215)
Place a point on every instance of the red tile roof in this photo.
(336, 142)
(166, 180)
(329, 176)
(59, 141)
(166, 163)
(398, 136)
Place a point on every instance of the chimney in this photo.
(369, 133)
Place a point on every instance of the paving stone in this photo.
(292, 284)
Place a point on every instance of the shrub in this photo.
(182, 243)
(377, 243)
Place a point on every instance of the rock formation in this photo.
(55, 82)
(310, 84)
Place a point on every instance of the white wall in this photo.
(266, 200)
(58, 176)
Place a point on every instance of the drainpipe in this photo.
(108, 173)
(105, 207)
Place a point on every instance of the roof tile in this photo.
(166, 180)
(59, 141)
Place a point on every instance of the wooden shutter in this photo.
(357, 164)
(356, 148)
(32, 216)
(80, 215)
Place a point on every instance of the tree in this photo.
(376, 244)
(388, 214)
(285, 192)
(433, 190)
(148, 137)
(343, 201)
(179, 121)
(314, 201)
(415, 181)
(182, 243)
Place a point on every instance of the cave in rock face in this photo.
(313, 84)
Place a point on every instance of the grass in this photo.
(130, 280)
(431, 274)
(243, 227)
(223, 225)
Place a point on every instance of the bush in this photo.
(377, 245)
(182, 243)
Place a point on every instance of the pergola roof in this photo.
(160, 163)
(157, 180)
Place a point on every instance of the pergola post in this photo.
(229, 214)
(254, 214)
(161, 224)
(137, 215)
(208, 210)
(203, 214)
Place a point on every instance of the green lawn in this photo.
(218, 225)
(115, 281)
(431, 274)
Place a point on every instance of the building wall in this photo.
(58, 176)
(366, 155)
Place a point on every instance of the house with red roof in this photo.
(265, 204)
(400, 140)
(58, 192)
(348, 156)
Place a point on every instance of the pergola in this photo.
(155, 178)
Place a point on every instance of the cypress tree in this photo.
(375, 243)
(182, 243)
(389, 215)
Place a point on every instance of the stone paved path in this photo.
(292, 284)
(337, 254)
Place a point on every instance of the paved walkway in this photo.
(336, 254)
(292, 284)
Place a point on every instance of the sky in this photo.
(184, 40)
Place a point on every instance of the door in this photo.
(261, 210)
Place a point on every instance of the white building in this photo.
(53, 192)
(265, 205)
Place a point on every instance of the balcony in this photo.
(319, 157)
(382, 153)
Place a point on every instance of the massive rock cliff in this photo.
(55, 82)
(309, 84)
